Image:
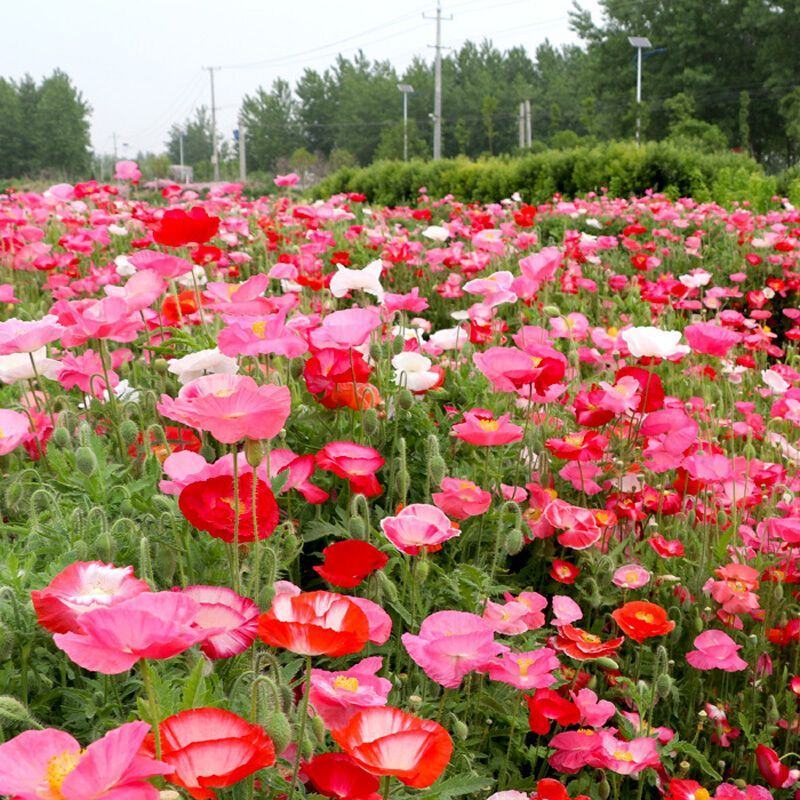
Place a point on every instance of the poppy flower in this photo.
(773, 770)
(642, 620)
(582, 645)
(356, 463)
(546, 706)
(231, 620)
(349, 562)
(211, 748)
(337, 776)
(80, 588)
(209, 506)
(314, 624)
(563, 571)
(388, 741)
(177, 227)
(50, 765)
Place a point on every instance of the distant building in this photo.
(181, 174)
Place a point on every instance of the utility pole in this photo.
(640, 43)
(114, 137)
(437, 93)
(242, 152)
(521, 124)
(214, 152)
(406, 89)
(528, 124)
(180, 147)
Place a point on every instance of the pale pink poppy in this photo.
(451, 644)
(150, 625)
(418, 527)
(461, 499)
(338, 696)
(253, 336)
(25, 336)
(529, 670)
(631, 576)
(14, 429)
(49, 764)
(127, 171)
(290, 179)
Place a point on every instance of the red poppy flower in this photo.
(546, 705)
(355, 462)
(329, 367)
(666, 548)
(348, 562)
(549, 789)
(211, 748)
(580, 446)
(336, 775)
(642, 620)
(772, 769)
(563, 571)
(680, 789)
(209, 506)
(314, 624)
(175, 308)
(387, 741)
(177, 228)
(651, 390)
(582, 645)
(358, 397)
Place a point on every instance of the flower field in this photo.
(337, 500)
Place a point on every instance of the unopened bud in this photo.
(405, 399)
(85, 461)
(253, 452)
(551, 311)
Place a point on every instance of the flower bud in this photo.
(278, 729)
(129, 431)
(85, 461)
(405, 399)
(61, 438)
(551, 311)
(461, 730)
(370, 422)
(253, 452)
(422, 570)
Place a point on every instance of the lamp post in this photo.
(406, 89)
(640, 43)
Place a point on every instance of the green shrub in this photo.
(619, 168)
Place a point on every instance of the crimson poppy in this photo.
(337, 776)
(546, 706)
(177, 227)
(348, 562)
(209, 506)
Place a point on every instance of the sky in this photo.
(139, 63)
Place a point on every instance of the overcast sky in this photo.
(139, 62)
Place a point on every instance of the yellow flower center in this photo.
(701, 794)
(524, 665)
(259, 329)
(631, 576)
(623, 755)
(242, 509)
(590, 637)
(58, 768)
(345, 683)
(488, 424)
(645, 616)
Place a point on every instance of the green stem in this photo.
(301, 728)
(235, 554)
(152, 701)
(386, 789)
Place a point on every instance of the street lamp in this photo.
(406, 89)
(640, 43)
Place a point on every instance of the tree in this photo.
(12, 141)
(391, 142)
(61, 123)
(273, 127)
(197, 143)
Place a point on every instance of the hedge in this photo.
(619, 168)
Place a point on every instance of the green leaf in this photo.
(457, 786)
(689, 750)
(193, 686)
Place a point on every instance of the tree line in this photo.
(720, 74)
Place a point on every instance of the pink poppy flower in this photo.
(252, 336)
(716, 650)
(628, 758)
(379, 623)
(152, 625)
(229, 407)
(348, 328)
(507, 618)
(631, 576)
(25, 336)
(167, 266)
(140, 290)
(231, 619)
(85, 371)
(127, 171)
(355, 462)
(338, 696)
(49, 764)
(451, 644)
(300, 469)
(418, 527)
(485, 431)
(82, 587)
(7, 293)
(461, 499)
(530, 670)
(14, 429)
(566, 611)
(107, 318)
(575, 750)
(593, 712)
(290, 179)
(711, 339)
